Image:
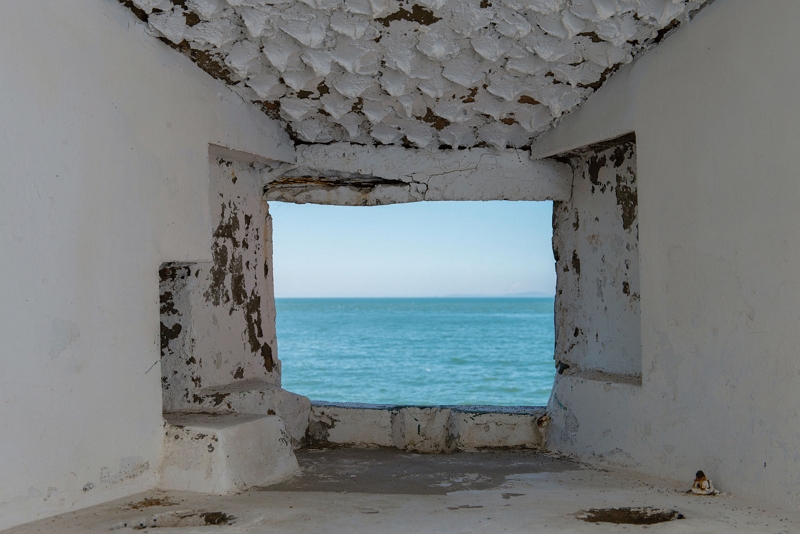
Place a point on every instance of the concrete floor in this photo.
(386, 490)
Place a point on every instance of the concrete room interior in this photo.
(144, 140)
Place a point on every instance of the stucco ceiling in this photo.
(419, 73)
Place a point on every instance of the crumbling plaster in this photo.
(717, 121)
(425, 429)
(419, 73)
(218, 317)
(596, 247)
(219, 351)
(104, 176)
(346, 174)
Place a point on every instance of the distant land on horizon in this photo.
(524, 295)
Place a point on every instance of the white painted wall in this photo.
(717, 120)
(103, 176)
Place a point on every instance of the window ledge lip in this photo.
(460, 408)
(608, 378)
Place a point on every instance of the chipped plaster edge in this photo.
(425, 429)
(346, 174)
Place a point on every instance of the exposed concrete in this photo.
(390, 472)
(369, 491)
(424, 429)
(116, 182)
(224, 453)
(345, 174)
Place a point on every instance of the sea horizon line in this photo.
(523, 296)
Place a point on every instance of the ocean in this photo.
(421, 351)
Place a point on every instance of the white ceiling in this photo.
(421, 73)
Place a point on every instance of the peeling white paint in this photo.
(218, 342)
(429, 429)
(346, 174)
(719, 250)
(529, 61)
(719, 256)
(596, 245)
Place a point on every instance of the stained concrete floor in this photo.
(382, 490)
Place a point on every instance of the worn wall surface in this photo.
(425, 429)
(717, 123)
(103, 177)
(345, 174)
(596, 246)
(218, 317)
(219, 350)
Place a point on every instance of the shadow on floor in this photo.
(388, 471)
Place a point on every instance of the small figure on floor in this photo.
(702, 485)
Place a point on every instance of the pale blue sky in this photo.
(422, 249)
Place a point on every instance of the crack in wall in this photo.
(344, 174)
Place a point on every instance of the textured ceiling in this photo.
(421, 73)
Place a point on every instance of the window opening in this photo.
(425, 303)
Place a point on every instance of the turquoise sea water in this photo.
(418, 351)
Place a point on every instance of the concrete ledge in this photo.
(223, 454)
(608, 378)
(496, 429)
(256, 397)
(596, 419)
(426, 429)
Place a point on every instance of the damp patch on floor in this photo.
(630, 516)
(177, 519)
